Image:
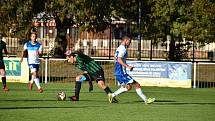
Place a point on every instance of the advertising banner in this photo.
(16, 71)
(164, 74)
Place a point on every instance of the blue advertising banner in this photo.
(152, 73)
(148, 69)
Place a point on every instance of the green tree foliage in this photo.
(16, 15)
(91, 15)
(182, 19)
(129, 10)
(191, 20)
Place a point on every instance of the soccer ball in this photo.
(61, 96)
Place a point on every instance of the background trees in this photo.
(181, 20)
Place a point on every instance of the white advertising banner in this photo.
(164, 74)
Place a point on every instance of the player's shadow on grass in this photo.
(171, 102)
(23, 100)
(47, 107)
(47, 100)
(156, 101)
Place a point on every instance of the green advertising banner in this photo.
(12, 67)
(16, 71)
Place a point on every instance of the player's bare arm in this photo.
(6, 52)
(120, 61)
(114, 59)
(23, 54)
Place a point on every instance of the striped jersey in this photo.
(2, 47)
(85, 63)
(33, 49)
(122, 53)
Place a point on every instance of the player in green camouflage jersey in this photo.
(2, 66)
(92, 71)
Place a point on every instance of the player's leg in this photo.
(4, 83)
(139, 91)
(34, 68)
(100, 79)
(125, 82)
(123, 88)
(107, 90)
(102, 85)
(78, 81)
(90, 81)
(30, 84)
(141, 94)
(3, 74)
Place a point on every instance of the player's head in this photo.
(126, 40)
(33, 36)
(70, 56)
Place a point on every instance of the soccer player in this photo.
(2, 66)
(92, 71)
(34, 49)
(80, 77)
(122, 77)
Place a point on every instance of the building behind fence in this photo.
(102, 45)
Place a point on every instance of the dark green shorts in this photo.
(2, 66)
(98, 76)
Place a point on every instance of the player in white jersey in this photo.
(34, 49)
(125, 80)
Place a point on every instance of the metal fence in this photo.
(103, 46)
(204, 75)
(148, 51)
(58, 70)
(12, 45)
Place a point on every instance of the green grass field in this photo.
(172, 104)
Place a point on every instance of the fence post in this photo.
(46, 70)
(194, 75)
(139, 36)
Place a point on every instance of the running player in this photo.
(122, 77)
(34, 49)
(2, 66)
(80, 77)
(92, 71)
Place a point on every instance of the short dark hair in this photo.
(33, 33)
(71, 53)
(126, 38)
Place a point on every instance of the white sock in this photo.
(37, 82)
(32, 79)
(140, 93)
(119, 91)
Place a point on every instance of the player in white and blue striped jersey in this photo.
(125, 80)
(34, 49)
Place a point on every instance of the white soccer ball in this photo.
(61, 96)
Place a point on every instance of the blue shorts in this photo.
(124, 79)
(34, 67)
